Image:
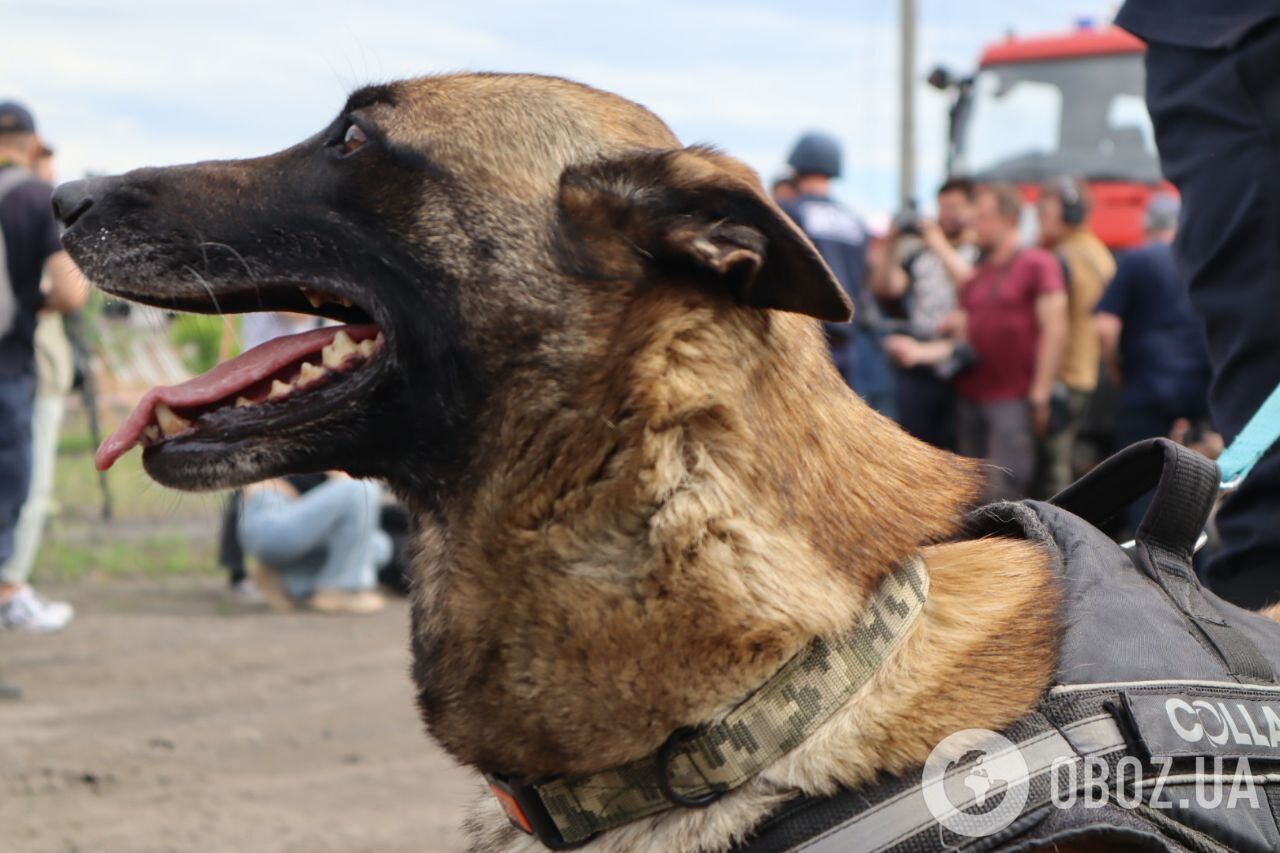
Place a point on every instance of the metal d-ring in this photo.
(665, 753)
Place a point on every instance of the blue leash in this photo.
(1254, 440)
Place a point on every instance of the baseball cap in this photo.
(15, 118)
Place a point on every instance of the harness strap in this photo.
(1186, 486)
(696, 766)
(936, 808)
(869, 820)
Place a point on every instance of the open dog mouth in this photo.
(282, 382)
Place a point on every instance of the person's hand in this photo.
(931, 233)
(1205, 442)
(1040, 411)
(903, 350)
(954, 325)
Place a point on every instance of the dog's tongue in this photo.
(222, 382)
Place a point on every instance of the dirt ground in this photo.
(166, 719)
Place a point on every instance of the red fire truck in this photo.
(1044, 106)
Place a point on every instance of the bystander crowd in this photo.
(1014, 324)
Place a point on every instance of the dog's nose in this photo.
(73, 199)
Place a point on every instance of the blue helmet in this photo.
(816, 152)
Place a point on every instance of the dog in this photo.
(589, 359)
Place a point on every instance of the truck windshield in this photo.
(1080, 116)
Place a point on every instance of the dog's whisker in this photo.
(217, 307)
(248, 271)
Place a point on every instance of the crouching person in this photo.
(316, 541)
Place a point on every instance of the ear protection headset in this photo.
(1072, 201)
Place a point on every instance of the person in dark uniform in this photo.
(841, 237)
(1213, 91)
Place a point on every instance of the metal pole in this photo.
(907, 128)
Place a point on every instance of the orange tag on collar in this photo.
(509, 805)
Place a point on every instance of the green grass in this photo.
(198, 338)
(154, 531)
(152, 555)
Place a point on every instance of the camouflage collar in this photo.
(695, 767)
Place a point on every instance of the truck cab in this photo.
(1070, 104)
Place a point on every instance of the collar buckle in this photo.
(526, 812)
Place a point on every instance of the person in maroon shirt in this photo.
(1016, 310)
(1015, 317)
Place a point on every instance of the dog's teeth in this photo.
(366, 347)
(318, 299)
(279, 390)
(310, 374)
(242, 402)
(170, 422)
(337, 352)
(151, 434)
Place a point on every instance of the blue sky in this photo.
(117, 85)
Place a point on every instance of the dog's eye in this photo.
(354, 139)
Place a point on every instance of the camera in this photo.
(907, 221)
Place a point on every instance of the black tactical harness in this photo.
(1162, 729)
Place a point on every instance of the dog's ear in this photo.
(697, 212)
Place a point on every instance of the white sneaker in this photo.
(244, 593)
(27, 610)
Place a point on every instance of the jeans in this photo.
(327, 538)
(44, 456)
(17, 402)
(860, 357)
(1000, 433)
(926, 406)
(1217, 118)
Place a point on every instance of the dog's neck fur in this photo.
(651, 540)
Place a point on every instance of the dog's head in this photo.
(471, 230)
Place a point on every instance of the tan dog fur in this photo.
(643, 558)
(657, 526)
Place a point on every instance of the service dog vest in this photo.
(1161, 732)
